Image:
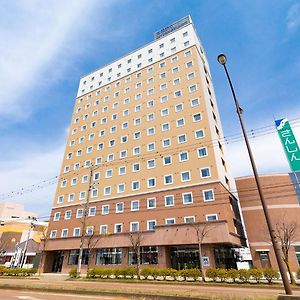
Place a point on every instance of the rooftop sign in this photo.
(173, 27)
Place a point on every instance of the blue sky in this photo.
(47, 46)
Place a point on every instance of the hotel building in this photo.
(145, 154)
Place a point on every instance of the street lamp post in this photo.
(222, 60)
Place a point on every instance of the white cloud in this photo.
(293, 17)
(36, 39)
(268, 154)
(29, 172)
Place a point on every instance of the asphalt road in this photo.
(16, 295)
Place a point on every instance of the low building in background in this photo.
(282, 194)
(20, 236)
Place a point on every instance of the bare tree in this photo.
(91, 243)
(43, 245)
(136, 240)
(285, 232)
(202, 230)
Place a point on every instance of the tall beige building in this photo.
(147, 128)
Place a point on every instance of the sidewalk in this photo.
(194, 291)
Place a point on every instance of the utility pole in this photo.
(32, 225)
(288, 290)
(85, 217)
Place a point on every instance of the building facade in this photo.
(145, 154)
(282, 195)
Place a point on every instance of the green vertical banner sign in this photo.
(289, 143)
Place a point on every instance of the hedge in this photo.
(298, 274)
(17, 271)
(215, 274)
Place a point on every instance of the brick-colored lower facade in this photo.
(282, 196)
(166, 245)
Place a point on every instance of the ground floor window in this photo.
(297, 250)
(109, 256)
(74, 257)
(184, 257)
(224, 257)
(148, 255)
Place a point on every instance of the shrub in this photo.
(257, 274)
(130, 271)
(73, 273)
(244, 275)
(298, 274)
(212, 273)
(164, 272)
(146, 272)
(194, 273)
(155, 272)
(222, 274)
(91, 274)
(271, 274)
(233, 274)
(172, 273)
(183, 273)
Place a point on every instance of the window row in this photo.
(134, 226)
(135, 205)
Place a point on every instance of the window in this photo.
(151, 182)
(187, 198)
(122, 170)
(135, 205)
(119, 207)
(53, 234)
(137, 135)
(189, 64)
(96, 176)
(199, 134)
(92, 211)
(79, 213)
(175, 70)
(151, 163)
(167, 160)
(150, 131)
(208, 195)
(112, 143)
(185, 34)
(125, 112)
(188, 53)
(137, 121)
(176, 81)
(163, 86)
(170, 221)
(185, 176)
(195, 102)
(174, 58)
(191, 76)
(168, 179)
(134, 226)
(103, 229)
(113, 129)
(151, 224)
(179, 107)
(71, 197)
(124, 125)
(177, 94)
(180, 122)
(211, 217)
(108, 173)
(183, 156)
(166, 142)
(197, 117)
(64, 233)
(150, 80)
(107, 190)
(63, 183)
(162, 75)
(150, 103)
(76, 232)
(162, 64)
(150, 117)
(118, 228)
(149, 255)
(169, 200)
(136, 150)
(182, 138)
(150, 91)
(163, 99)
(136, 167)
(189, 219)
(105, 209)
(56, 216)
(202, 152)
(89, 230)
(164, 112)
(82, 195)
(205, 172)
(85, 178)
(109, 256)
(151, 203)
(123, 153)
(165, 127)
(124, 139)
(135, 185)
